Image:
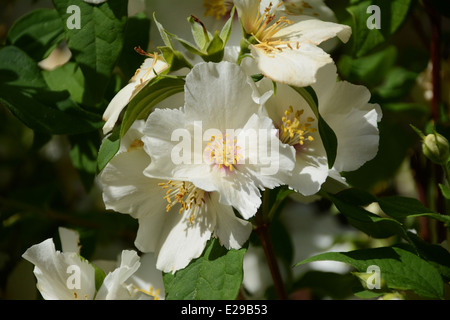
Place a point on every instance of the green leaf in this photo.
(435, 254)
(215, 49)
(24, 91)
(159, 88)
(200, 34)
(328, 284)
(396, 85)
(368, 222)
(327, 134)
(369, 70)
(174, 58)
(37, 33)
(66, 77)
(84, 156)
(100, 276)
(392, 15)
(108, 149)
(401, 208)
(400, 269)
(225, 33)
(165, 36)
(216, 275)
(97, 44)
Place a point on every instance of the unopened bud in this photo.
(436, 148)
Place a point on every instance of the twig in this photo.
(262, 231)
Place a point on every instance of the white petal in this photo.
(221, 95)
(148, 278)
(116, 106)
(297, 67)
(70, 240)
(143, 75)
(151, 228)
(267, 160)
(113, 287)
(311, 170)
(53, 270)
(134, 133)
(127, 190)
(248, 11)
(181, 241)
(313, 31)
(346, 109)
(314, 8)
(241, 193)
(231, 231)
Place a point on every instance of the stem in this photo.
(262, 231)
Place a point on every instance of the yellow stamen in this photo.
(264, 30)
(151, 292)
(186, 194)
(223, 152)
(293, 131)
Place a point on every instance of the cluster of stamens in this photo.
(186, 194)
(223, 151)
(293, 131)
(147, 74)
(151, 292)
(264, 31)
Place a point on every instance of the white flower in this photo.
(345, 108)
(176, 219)
(223, 120)
(67, 276)
(284, 43)
(149, 69)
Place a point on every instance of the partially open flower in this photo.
(149, 69)
(284, 42)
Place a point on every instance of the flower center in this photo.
(189, 196)
(217, 8)
(223, 151)
(265, 28)
(151, 292)
(293, 131)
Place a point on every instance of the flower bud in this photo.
(436, 148)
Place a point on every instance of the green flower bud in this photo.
(436, 148)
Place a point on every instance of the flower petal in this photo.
(313, 31)
(127, 190)
(113, 287)
(231, 231)
(53, 270)
(297, 67)
(180, 241)
(221, 95)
